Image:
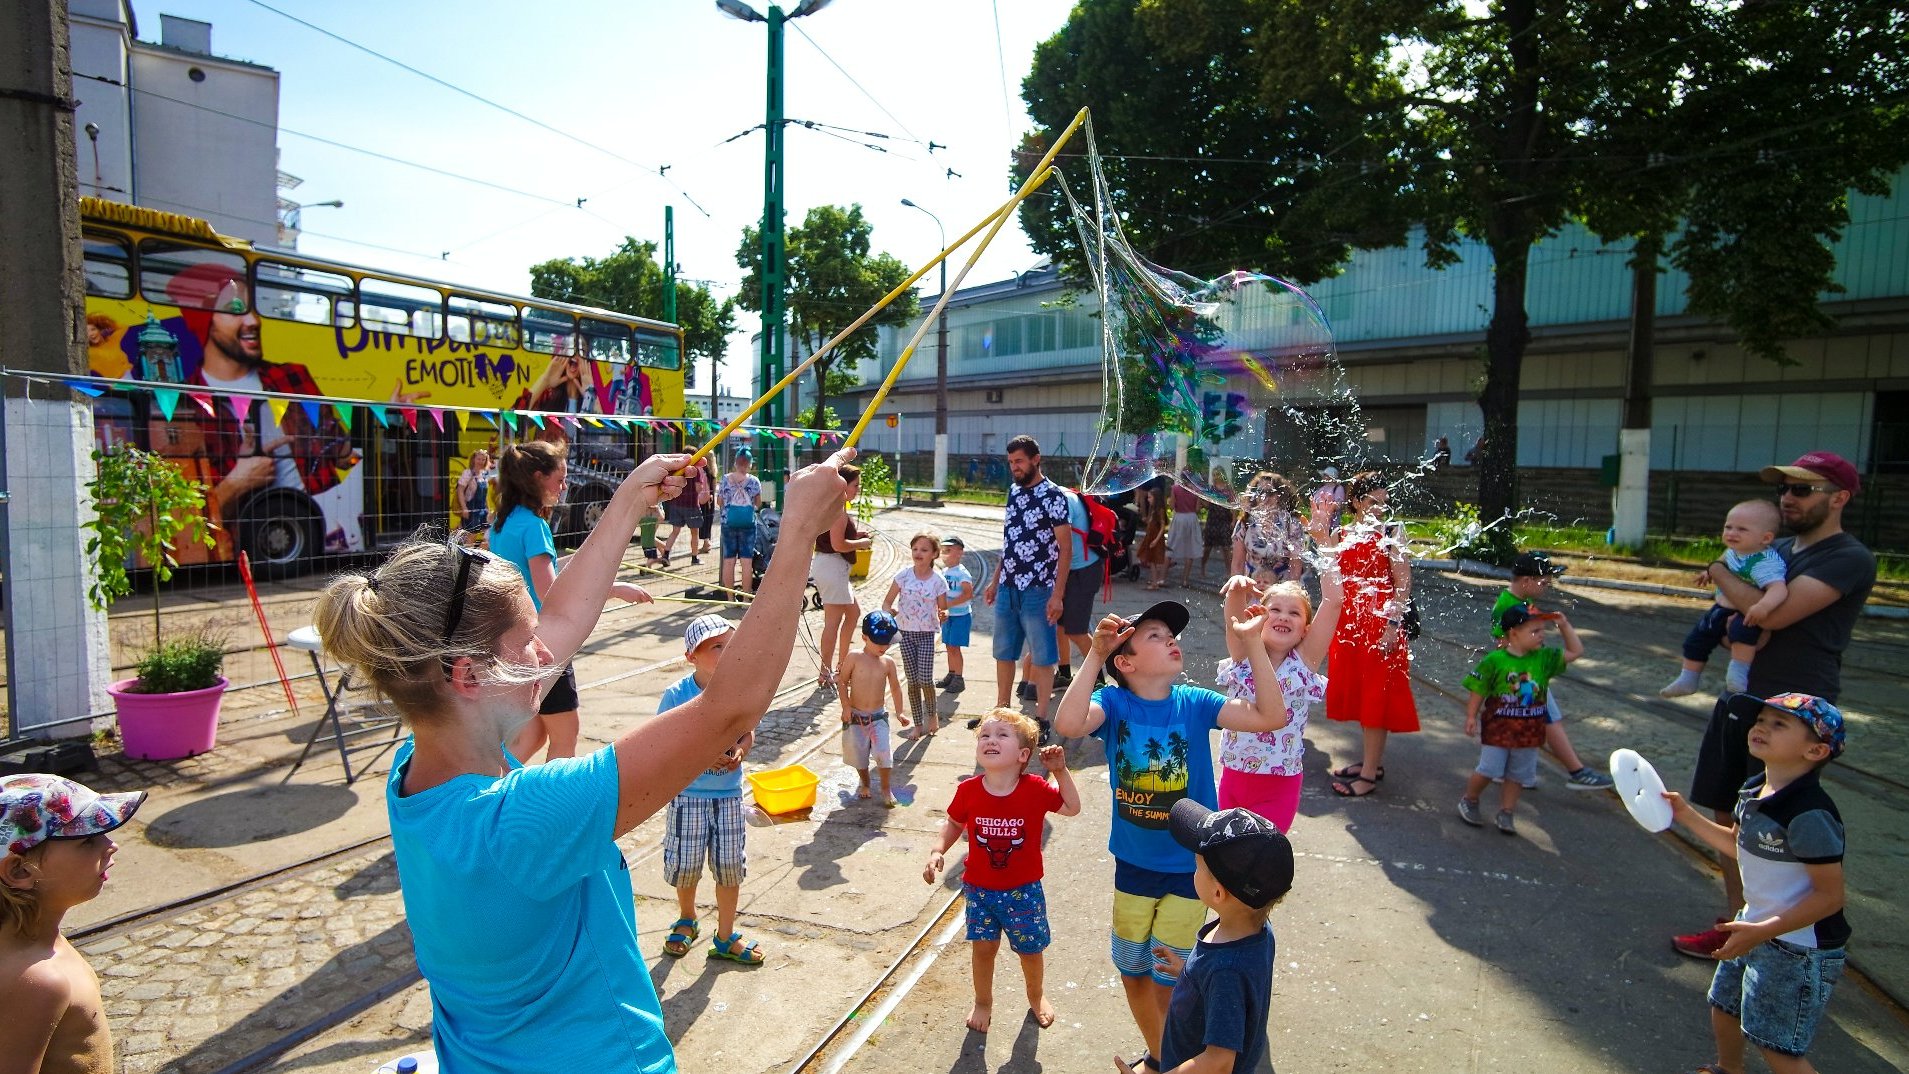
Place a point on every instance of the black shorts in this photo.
(563, 693)
(1723, 761)
(1077, 602)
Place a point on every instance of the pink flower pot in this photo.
(165, 727)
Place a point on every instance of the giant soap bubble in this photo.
(1213, 381)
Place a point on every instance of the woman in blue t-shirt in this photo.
(520, 906)
(530, 485)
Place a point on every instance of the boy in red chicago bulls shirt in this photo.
(1002, 811)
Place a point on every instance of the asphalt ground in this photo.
(1410, 941)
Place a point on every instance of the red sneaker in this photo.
(1701, 944)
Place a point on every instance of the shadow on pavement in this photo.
(237, 818)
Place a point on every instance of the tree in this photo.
(1486, 122)
(631, 281)
(833, 278)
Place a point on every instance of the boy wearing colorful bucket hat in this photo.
(1222, 1000)
(1785, 950)
(54, 855)
(1156, 899)
(705, 820)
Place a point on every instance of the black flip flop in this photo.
(1147, 1062)
(1346, 773)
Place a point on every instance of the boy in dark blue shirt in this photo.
(1217, 1017)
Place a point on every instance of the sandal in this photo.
(1344, 788)
(681, 935)
(1146, 1062)
(748, 956)
(1353, 771)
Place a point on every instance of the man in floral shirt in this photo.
(1027, 589)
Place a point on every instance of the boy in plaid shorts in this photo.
(705, 821)
(1001, 811)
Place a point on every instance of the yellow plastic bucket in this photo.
(785, 790)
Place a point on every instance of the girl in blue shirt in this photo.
(519, 903)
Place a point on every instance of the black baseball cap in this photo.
(1170, 612)
(1244, 851)
(1535, 565)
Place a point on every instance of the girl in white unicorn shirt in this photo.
(1261, 771)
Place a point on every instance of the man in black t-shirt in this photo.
(1829, 574)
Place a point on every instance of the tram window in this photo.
(549, 331)
(658, 352)
(606, 341)
(109, 266)
(482, 323)
(294, 293)
(403, 309)
(192, 277)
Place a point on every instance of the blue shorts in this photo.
(1777, 993)
(1020, 912)
(1020, 619)
(739, 542)
(956, 629)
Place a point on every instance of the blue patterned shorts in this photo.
(1020, 912)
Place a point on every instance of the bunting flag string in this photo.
(438, 417)
(377, 413)
(167, 399)
(344, 415)
(204, 402)
(410, 417)
(312, 410)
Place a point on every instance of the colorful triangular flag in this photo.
(410, 417)
(167, 400)
(344, 415)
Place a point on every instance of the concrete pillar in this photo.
(1630, 501)
(57, 656)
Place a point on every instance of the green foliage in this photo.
(142, 505)
(830, 419)
(631, 281)
(1282, 134)
(190, 662)
(691, 409)
(833, 278)
(878, 486)
(1463, 535)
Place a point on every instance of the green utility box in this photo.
(1609, 470)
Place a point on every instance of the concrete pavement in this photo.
(1410, 941)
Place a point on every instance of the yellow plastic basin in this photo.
(785, 790)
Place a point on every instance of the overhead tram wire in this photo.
(851, 79)
(658, 171)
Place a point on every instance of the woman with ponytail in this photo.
(519, 903)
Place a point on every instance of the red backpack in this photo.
(1101, 537)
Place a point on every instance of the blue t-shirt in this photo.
(1157, 754)
(1077, 518)
(955, 576)
(520, 538)
(524, 922)
(710, 784)
(1223, 998)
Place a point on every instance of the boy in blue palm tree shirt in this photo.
(1155, 732)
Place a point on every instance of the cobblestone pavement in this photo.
(198, 991)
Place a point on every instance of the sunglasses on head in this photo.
(1801, 489)
(466, 557)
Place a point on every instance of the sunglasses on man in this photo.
(1802, 489)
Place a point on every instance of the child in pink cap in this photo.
(54, 854)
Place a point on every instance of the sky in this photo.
(633, 86)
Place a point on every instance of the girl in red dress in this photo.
(1368, 667)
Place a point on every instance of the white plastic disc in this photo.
(1641, 789)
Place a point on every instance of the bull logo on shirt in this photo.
(998, 849)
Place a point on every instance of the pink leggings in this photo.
(1274, 797)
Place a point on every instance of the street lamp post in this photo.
(295, 217)
(941, 364)
(774, 253)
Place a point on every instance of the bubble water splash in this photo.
(1207, 382)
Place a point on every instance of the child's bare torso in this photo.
(81, 1043)
(865, 677)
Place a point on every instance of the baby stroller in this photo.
(768, 530)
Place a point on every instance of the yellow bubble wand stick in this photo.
(1041, 171)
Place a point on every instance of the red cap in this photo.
(1817, 466)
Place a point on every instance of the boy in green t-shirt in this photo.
(1506, 710)
(1531, 575)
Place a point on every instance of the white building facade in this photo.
(170, 125)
